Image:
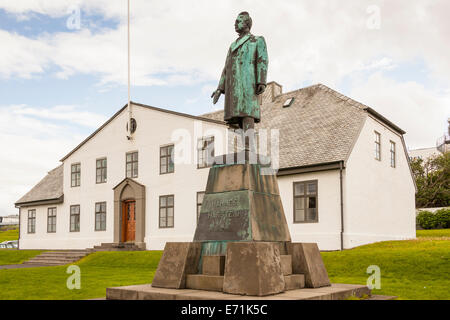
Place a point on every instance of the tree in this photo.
(433, 181)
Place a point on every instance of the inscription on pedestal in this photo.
(224, 216)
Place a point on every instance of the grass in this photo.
(14, 256)
(9, 235)
(438, 233)
(413, 269)
(99, 271)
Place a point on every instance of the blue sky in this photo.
(58, 84)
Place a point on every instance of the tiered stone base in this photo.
(248, 268)
(336, 291)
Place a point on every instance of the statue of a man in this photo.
(244, 76)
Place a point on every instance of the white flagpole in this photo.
(129, 77)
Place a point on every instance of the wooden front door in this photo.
(128, 221)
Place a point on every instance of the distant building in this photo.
(443, 143)
(442, 146)
(424, 153)
(344, 176)
(12, 219)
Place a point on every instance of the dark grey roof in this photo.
(49, 189)
(320, 126)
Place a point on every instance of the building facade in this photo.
(344, 176)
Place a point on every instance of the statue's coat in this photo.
(245, 69)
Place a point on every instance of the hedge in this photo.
(439, 219)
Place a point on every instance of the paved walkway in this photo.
(22, 266)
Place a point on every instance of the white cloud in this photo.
(421, 112)
(65, 113)
(31, 144)
(318, 41)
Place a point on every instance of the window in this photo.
(392, 154)
(166, 160)
(200, 196)
(76, 175)
(75, 218)
(132, 164)
(288, 102)
(205, 152)
(100, 170)
(100, 216)
(51, 220)
(166, 211)
(32, 221)
(305, 202)
(377, 146)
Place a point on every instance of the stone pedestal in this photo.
(242, 243)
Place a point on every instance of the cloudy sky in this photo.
(63, 65)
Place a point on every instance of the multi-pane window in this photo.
(305, 202)
(32, 221)
(75, 175)
(101, 170)
(200, 196)
(205, 152)
(75, 218)
(377, 146)
(166, 159)
(132, 164)
(100, 216)
(51, 220)
(392, 154)
(166, 207)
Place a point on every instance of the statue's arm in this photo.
(262, 61)
(223, 77)
(221, 87)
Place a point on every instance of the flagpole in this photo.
(129, 77)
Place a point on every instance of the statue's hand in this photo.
(261, 88)
(216, 95)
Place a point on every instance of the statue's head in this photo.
(243, 22)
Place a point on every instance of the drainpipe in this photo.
(20, 220)
(342, 205)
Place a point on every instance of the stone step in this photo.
(53, 259)
(204, 282)
(126, 246)
(213, 265)
(48, 263)
(66, 251)
(66, 255)
(59, 257)
(286, 264)
(294, 281)
(117, 249)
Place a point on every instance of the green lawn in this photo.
(9, 235)
(439, 233)
(14, 256)
(98, 271)
(415, 269)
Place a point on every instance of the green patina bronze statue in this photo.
(244, 76)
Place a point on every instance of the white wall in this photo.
(326, 232)
(379, 201)
(154, 129)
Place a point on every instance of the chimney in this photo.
(273, 90)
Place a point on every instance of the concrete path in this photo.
(21, 266)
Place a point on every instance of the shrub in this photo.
(443, 217)
(427, 220)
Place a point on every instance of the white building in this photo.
(344, 176)
(12, 219)
(424, 153)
